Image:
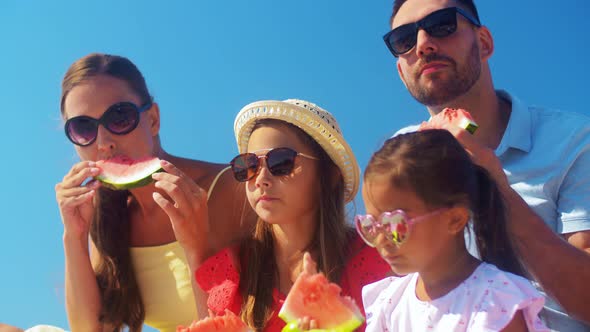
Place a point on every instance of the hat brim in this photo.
(312, 123)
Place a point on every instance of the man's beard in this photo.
(444, 91)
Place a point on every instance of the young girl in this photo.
(298, 172)
(421, 189)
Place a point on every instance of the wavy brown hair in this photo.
(121, 302)
(437, 168)
(330, 240)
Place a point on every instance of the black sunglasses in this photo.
(439, 24)
(279, 161)
(119, 119)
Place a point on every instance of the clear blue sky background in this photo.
(203, 61)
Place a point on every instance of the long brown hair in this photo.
(121, 302)
(329, 240)
(437, 168)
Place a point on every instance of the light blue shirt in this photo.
(546, 157)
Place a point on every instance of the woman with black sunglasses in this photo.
(298, 172)
(136, 271)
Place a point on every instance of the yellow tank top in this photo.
(164, 281)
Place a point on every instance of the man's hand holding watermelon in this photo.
(460, 123)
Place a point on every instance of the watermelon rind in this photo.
(468, 125)
(127, 185)
(141, 179)
(349, 326)
(331, 291)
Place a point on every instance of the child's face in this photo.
(292, 198)
(423, 240)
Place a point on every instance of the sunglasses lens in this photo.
(366, 230)
(441, 23)
(82, 130)
(281, 161)
(121, 118)
(397, 226)
(244, 166)
(402, 38)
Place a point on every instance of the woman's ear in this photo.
(154, 114)
(458, 218)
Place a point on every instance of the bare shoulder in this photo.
(230, 215)
(9, 328)
(201, 172)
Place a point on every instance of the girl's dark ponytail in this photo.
(490, 226)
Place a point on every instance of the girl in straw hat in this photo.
(299, 173)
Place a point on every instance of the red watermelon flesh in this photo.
(228, 322)
(313, 296)
(123, 173)
(456, 116)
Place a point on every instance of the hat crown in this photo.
(315, 121)
(324, 115)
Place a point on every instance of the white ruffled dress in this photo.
(486, 301)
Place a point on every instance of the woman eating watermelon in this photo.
(136, 270)
(298, 172)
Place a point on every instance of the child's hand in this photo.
(309, 265)
(307, 323)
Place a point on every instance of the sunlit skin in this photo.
(438, 70)
(455, 63)
(285, 200)
(434, 247)
(175, 207)
(290, 203)
(93, 98)
(492, 113)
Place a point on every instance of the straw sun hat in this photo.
(315, 121)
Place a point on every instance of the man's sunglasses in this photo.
(279, 161)
(439, 24)
(394, 225)
(119, 119)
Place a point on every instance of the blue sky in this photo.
(203, 61)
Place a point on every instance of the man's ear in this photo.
(486, 43)
(154, 115)
(458, 218)
(401, 74)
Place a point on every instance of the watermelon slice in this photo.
(228, 322)
(121, 173)
(312, 295)
(456, 116)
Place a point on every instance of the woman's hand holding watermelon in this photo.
(186, 205)
(75, 200)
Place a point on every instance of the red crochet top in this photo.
(219, 277)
